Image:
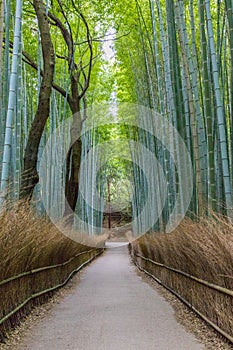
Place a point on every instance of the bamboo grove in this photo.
(182, 68)
(172, 57)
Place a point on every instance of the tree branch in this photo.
(89, 41)
(101, 39)
(66, 35)
(67, 22)
(29, 60)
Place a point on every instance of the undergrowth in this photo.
(203, 249)
(28, 241)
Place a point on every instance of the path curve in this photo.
(111, 308)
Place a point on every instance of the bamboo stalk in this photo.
(12, 102)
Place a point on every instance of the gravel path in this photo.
(112, 308)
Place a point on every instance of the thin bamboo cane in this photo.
(12, 101)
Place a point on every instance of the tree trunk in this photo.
(30, 176)
(73, 161)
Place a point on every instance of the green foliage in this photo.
(172, 56)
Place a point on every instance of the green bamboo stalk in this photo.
(229, 11)
(159, 74)
(5, 77)
(12, 101)
(194, 107)
(220, 114)
(207, 109)
(1, 41)
(2, 122)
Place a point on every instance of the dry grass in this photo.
(203, 249)
(27, 242)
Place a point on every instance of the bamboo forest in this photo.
(116, 125)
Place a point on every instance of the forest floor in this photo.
(109, 306)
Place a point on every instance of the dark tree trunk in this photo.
(74, 155)
(72, 176)
(30, 176)
(73, 161)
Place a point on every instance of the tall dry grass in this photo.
(203, 249)
(28, 242)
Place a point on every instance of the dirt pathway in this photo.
(111, 308)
